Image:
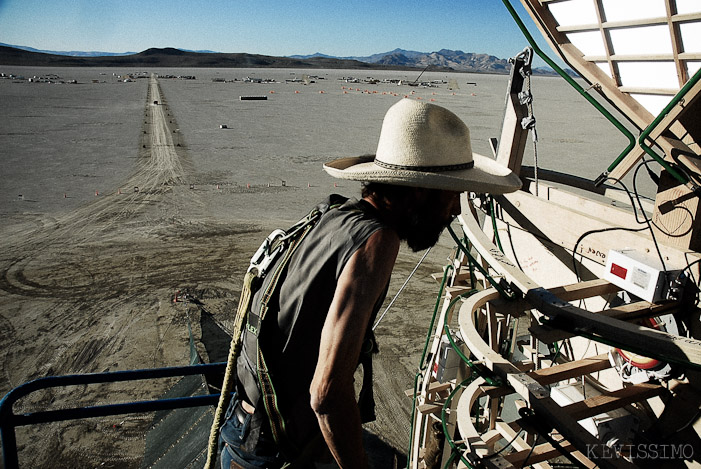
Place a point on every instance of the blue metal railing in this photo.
(9, 420)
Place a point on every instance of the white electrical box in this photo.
(638, 274)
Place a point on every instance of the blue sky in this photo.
(350, 28)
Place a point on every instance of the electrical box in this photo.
(639, 274)
(446, 366)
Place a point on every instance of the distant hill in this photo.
(170, 57)
(398, 59)
(72, 53)
(444, 59)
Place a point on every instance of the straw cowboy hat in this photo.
(424, 145)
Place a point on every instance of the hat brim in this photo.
(486, 176)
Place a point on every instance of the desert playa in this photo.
(130, 211)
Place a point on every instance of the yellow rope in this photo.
(227, 385)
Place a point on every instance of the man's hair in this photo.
(382, 191)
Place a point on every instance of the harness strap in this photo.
(268, 396)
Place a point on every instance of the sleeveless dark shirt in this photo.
(291, 331)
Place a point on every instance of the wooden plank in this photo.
(677, 46)
(615, 400)
(639, 310)
(564, 371)
(538, 454)
(660, 20)
(429, 408)
(643, 58)
(608, 47)
(434, 386)
(513, 139)
(509, 434)
(586, 289)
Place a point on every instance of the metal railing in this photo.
(9, 420)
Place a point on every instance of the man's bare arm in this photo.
(332, 391)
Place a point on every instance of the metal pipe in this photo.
(8, 420)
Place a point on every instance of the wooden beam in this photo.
(660, 20)
(606, 39)
(537, 454)
(569, 370)
(639, 310)
(615, 400)
(677, 45)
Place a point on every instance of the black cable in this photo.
(523, 464)
(601, 230)
(688, 267)
(647, 220)
(630, 197)
(635, 213)
(507, 445)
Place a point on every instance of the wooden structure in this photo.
(542, 336)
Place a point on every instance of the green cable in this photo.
(445, 426)
(496, 286)
(422, 364)
(488, 379)
(575, 85)
(413, 413)
(494, 223)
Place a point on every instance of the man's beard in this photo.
(422, 226)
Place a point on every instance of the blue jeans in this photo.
(232, 438)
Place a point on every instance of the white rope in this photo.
(402, 288)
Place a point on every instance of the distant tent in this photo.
(453, 84)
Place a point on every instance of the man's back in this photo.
(290, 334)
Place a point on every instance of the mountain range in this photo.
(398, 59)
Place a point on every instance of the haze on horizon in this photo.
(278, 28)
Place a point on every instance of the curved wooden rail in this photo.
(535, 394)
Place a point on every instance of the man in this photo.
(295, 373)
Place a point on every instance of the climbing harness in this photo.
(277, 243)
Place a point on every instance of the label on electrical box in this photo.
(640, 278)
